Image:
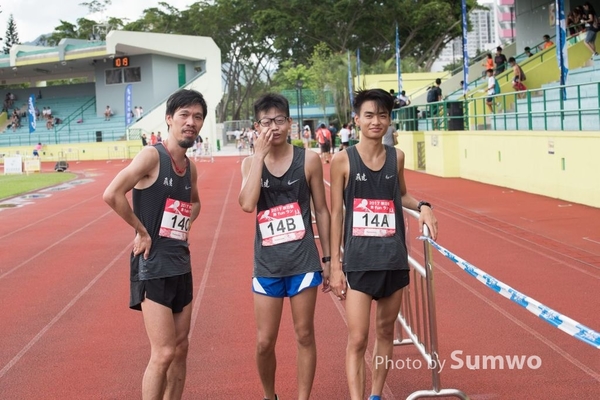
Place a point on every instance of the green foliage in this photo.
(12, 36)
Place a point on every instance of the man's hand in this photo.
(426, 217)
(142, 244)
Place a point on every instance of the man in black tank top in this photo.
(165, 204)
(279, 181)
(368, 179)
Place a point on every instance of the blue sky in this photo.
(36, 17)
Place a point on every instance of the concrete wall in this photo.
(555, 164)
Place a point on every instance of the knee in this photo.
(163, 356)
(357, 342)
(305, 337)
(385, 331)
(182, 347)
(265, 345)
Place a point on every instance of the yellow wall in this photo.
(557, 164)
(80, 151)
(412, 83)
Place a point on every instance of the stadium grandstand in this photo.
(127, 72)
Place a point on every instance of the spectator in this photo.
(333, 130)
(144, 140)
(528, 52)
(306, 137)
(153, 139)
(324, 139)
(590, 19)
(107, 113)
(141, 110)
(574, 24)
(488, 62)
(345, 136)
(158, 138)
(500, 61)
(403, 99)
(433, 96)
(547, 43)
(519, 77)
(36, 150)
(138, 115)
(491, 90)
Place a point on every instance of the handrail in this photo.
(66, 123)
(509, 108)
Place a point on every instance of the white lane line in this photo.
(209, 260)
(10, 271)
(54, 320)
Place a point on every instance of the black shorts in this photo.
(325, 147)
(174, 292)
(378, 284)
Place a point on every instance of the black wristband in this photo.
(326, 259)
(423, 203)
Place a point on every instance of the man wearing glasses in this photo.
(279, 181)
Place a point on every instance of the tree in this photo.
(12, 36)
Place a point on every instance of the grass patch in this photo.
(14, 185)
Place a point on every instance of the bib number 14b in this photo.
(281, 224)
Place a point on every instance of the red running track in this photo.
(66, 331)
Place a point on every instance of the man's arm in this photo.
(426, 215)
(141, 172)
(252, 167)
(195, 195)
(339, 171)
(314, 174)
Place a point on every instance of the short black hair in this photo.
(491, 71)
(499, 48)
(183, 98)
(511, 59)
(527, 48)
(382, 99)
(438, 81)
(547, 37)
(271, 100)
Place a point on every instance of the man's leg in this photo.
(177, 371)
(387, 312)
(267, 311)
(358, 312)
(160, 328)
(303, 313)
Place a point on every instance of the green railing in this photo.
(49, 137)
(536, 109)
(73, 118)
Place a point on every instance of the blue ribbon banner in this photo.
(398, 68)
(31, 113)
(561, 45)
(562, 322)
(465, 48)
(128, 103)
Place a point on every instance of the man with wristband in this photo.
(368, 181)
(279, 182)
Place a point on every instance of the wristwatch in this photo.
(326, 259)
(423, 203)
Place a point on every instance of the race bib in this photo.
(281, 224)
(176, 219)
(373, 218)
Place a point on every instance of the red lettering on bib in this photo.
(281, 224)
(176, 219)
(373, 218)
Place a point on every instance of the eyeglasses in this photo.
(279, 120)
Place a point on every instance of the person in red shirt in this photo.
(324, 139)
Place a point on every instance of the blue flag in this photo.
(561, 45)
(398, 69)
(128, 103)
(465, 48)
(351, 91)
(358, 68)
(31, 113)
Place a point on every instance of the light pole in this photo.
(298, 109)
(299, 84)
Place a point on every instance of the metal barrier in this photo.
(417, 319)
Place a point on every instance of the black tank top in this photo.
(168, 256)
(373, 206)
(283, 207)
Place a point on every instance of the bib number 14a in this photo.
(176, 219)
(373, 218)
(281, 224)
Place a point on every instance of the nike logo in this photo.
(389, 176)
(187, 187)
(292, 182)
